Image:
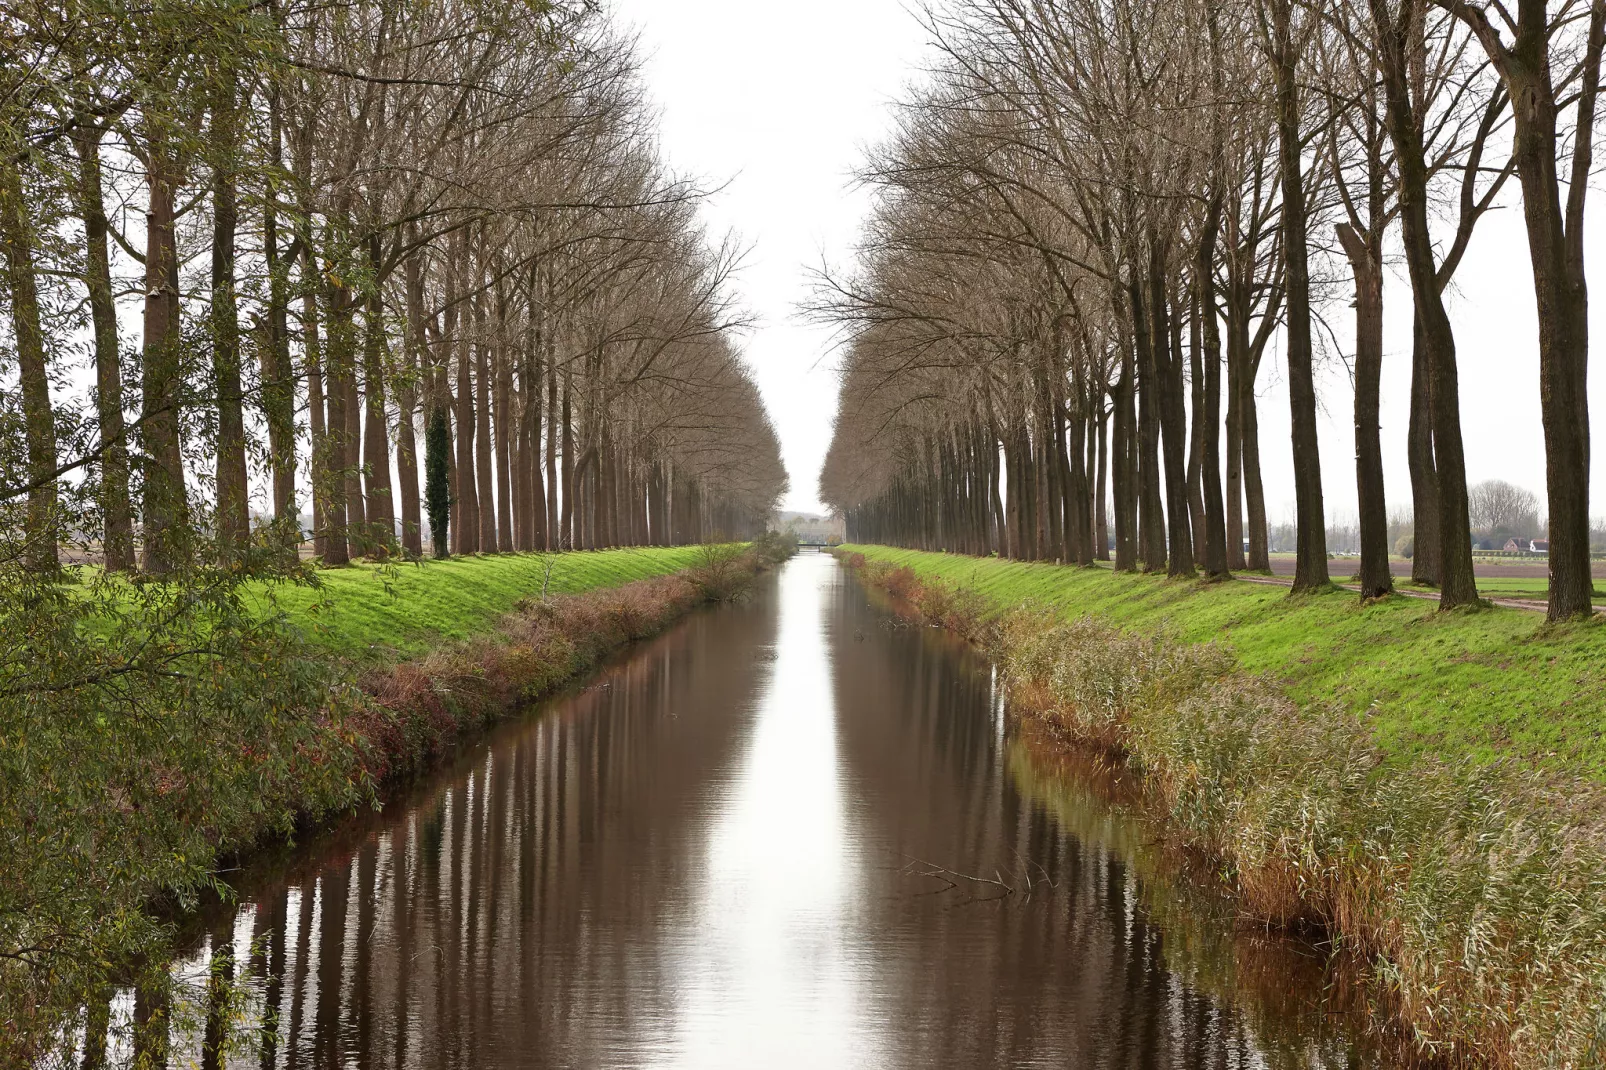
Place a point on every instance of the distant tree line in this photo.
(376, 259)
(1497, 511)
(1095, 219)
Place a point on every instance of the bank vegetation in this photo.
(146, 764)
(1470, 888)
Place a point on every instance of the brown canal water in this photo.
(792, 832)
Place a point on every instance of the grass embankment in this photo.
(407, 609)
(1382, 772)
(1493, 684)
(149, 731)
(422, 705)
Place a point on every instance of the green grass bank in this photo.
(1405, 782)
(406, 609)
(151, 731)
(1498, 683)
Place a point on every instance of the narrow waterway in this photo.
(791, 832)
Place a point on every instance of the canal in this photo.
(792, 832)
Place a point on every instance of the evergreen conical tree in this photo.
(437, 491)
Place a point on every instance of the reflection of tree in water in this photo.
(1287, 988)
(1089, 962)
(533, 905)
(473, 922)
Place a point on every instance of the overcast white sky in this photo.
(779, 100)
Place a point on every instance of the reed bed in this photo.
(1475, 892)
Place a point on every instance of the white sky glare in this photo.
(780, 102)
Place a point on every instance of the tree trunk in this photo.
(1151, 516)
(1366, 266)
(518, 458)
(278, 379)
(312, 357)
(358, 536)
(1173, 419)
(117, 536)
(1259, 558)
(996, 514)
(381, 508)
(567, 520)
(166, 503)
(1556, 254)
(1196, 430)
(448, 401)
(339, 444)
(1556, 250)
(437, 478)
(1173, 424)
(1101, 467)
(503, 384)
(1424, 477)
(1236, 359)
(554, 533)
(468, 503)
(1012, 499)
(39, 418)
(483, 458)
(1215, 557)
(1123, 467)
(1310, 568)
(1078, 496)
(533, 384)
(233, 506)
(1458, 585)
(416, 350)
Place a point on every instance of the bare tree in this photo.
(1495, 505)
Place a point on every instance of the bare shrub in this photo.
(722, 571)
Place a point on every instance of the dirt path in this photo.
(1283, 565)
(1533, 605)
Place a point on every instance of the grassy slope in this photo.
(405, 609)
(1490, 683)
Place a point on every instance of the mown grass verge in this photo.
(406, 609)
(420, 707)
(137, 755)
(1495, 684)
(1472, 885)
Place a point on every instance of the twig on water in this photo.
(921, 868)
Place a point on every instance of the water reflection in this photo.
(789, 833)
(768, 968)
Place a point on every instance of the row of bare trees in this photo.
(416, 267)
(1098, 215)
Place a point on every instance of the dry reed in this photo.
(1477, 892)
